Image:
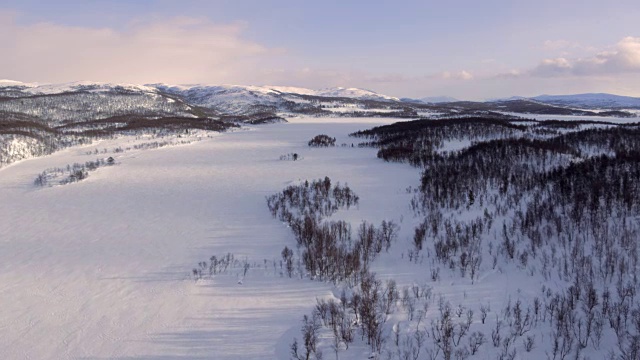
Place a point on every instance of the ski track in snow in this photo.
(100, 269)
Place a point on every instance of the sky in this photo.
(471, 50)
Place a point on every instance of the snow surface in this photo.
(100, 269)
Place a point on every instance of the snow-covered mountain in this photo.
(237, 92)
(591, 100)
(225, 98)
(242, 99)
(354, 93)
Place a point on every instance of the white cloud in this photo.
(624, 57)
(180, 49)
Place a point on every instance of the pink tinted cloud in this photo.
(180, 49)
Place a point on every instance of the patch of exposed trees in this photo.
(328, 249)
(226, 264)
(316, 198)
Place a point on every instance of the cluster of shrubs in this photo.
(318, 197)
(322, 141)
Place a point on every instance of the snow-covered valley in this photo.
(101, 268)
(119, 265)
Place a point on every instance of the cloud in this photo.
(460, 75)
(511, 74)
(623, 58)
(552, 67)
(180, 49)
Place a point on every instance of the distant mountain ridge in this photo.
(243, 95)
(438, 99)
(68, 102)
(591, 100)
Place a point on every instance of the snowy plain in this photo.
(100, 269)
